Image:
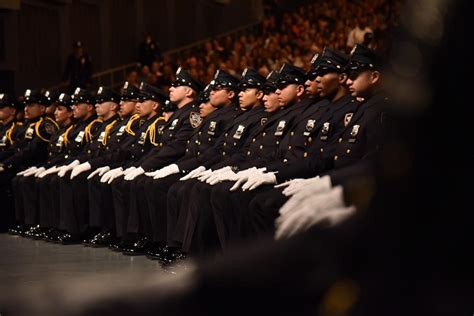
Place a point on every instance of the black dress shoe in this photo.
(139, 248)
(53, 235)
(103, 240)
(71, 239)
(155, 251)
(17, 229)
(90, 241)
(171, 255)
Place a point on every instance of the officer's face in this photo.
(178, 93)
(61, 114)
(6, 113)
(51, 109)
(80, 110)
(361, 84)
(327, 84)
(248, 98)
(146, 107)
(205, 109)
(219, 97)
(104, 108)
(270, 102)
(34, 110)
(311, 87)
(287, 95)
(127, 108)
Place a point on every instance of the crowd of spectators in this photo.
(291, 37)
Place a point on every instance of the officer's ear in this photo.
(299, 90)
(342, 78)
(90, 108)
(115, 107)
(260, 95)
(42, 108)
(231, 94)
(189, 92)
(374, 77)
(156, 107)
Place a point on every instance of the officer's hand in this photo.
(193, 173)
(135, 173)
(83, 167)
(301, 198)
(65, 169)
(30, 171)
(99, 171)
(316, 184)
(166, 171)
(206, 176)
(257, 179)
(128, 170)
(152, 173)
(1, 169)
(21, 173)
(110, 175)
(289, 182)
(298, 217)
(51, 170)
(242, 176)
(38, 171)
(221, 176)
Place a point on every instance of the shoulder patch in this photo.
(195, 119)
(49, 128)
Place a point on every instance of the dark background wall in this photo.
(36, 39)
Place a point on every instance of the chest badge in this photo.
(280, 128)
(239, 132)
(309, 127)
(212, 128)
(325, 131)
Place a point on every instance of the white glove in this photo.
(257, 179)
(207, 175)
(83, 167)
(1, 169)
(110, 175)
(222, 176)
(239, 176)
(65, 169)
(99, 171)
(129, 169)
(51, 170)
(316, 184)
(326, 199)
(135, 173)
(21, 173)
(31, 171)
(194, 173)
(166, 171)
(38, 171)
(305, 218)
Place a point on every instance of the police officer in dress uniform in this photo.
(31, 149)
(10, 129)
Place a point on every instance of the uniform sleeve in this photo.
(169, 152)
